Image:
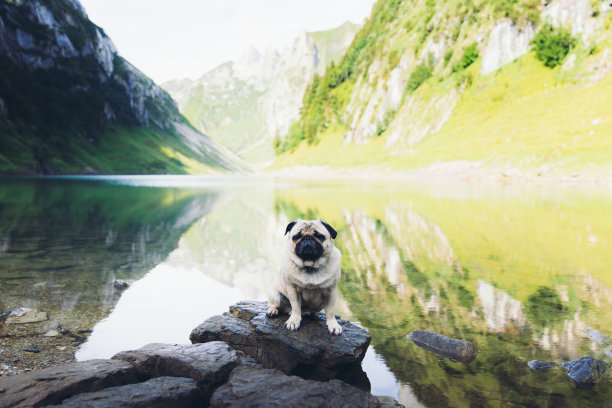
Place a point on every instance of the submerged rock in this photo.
(25, 315)
(310, 352)
(258, 387)
(586, 371)
(597, 336)
(538, 365)
(122, 284)
(452, 349)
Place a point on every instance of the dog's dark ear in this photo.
(328, 227)
(289, 226)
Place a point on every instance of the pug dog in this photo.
(309, 273)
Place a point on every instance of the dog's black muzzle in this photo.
(308, 249)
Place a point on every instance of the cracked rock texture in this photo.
(310, 352)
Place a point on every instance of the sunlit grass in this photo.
(524, 115)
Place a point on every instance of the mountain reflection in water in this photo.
(520, 272)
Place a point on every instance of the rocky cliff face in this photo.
(246, 103)
(414, 63)
(64, 85)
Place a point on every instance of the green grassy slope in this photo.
(523, 115)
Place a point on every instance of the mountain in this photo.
(519, 87)
(70, 104)
(245, 104)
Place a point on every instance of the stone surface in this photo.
(162, 392)
(122, 283)
(538, 365)
(53, 385)
(26, 315)
(597, 336)
(507, 42)
(586, 371)
(257, 387)
(460, 350)
(209, 364)
(310, 352)
(388, 402)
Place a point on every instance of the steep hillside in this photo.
(511, 86)
(70, 104)
(245, 104)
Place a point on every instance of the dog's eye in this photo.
(319, 236)
(297, 236)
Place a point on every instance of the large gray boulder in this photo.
(53, 385)
(162, 392)
(256, 387)
(310, 352)
(209, 364)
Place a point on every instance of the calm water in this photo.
(521, 272)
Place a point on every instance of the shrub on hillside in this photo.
(552, 45)
(421, 73)
(470, 54)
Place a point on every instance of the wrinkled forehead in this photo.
(308, 226)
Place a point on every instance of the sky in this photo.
(175, 39)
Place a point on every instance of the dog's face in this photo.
(310, 239)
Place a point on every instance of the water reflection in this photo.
(521, 273)
(64, 241)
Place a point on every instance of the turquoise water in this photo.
(523, 273)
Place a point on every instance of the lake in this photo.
(522, 272)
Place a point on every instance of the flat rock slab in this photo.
(53, 385)
(162, 392)
(257, 387)
(311, 352)
(209, 364)
(25, 315)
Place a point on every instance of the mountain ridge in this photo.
(69, 103)
(245, 103)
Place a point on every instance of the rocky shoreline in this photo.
(242, 358)
(30, 341)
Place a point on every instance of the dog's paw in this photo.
(293, 323)
(272, 312)
(334, 327)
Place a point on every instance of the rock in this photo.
(122, 284)
(162, 392)
(585, 371)
(388, 402)
(25, 315)
(452, 349)
(258, 387)
(597, 336)
(53, 385)
(538, 365)
(209, 364)
(51, 333)
(310, 352)
(506, 43)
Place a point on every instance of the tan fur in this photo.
(309, 286)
